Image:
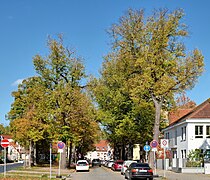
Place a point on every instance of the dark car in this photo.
(139, 171)
(117, 166)
(96, 162)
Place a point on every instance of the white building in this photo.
(13, 150)
(189, 132)
(102, 151)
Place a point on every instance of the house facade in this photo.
(189, 132)
(102, 151)
(13, 150)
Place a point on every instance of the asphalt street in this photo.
(10, 166)
(104, 173)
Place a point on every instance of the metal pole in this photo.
(154, 164)
(146, 156)
(164, 163)
(50, 160)
(59, 172)
(5, 161)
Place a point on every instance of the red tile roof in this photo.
(5, 136)
(200, 111)
(102, 145)
(175, 115)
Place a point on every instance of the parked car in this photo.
(103, 162)
(110, 163)
(139, 170)
(82, 165)
(117, 165)
(126, 165)
(106, 163)
(96, 162)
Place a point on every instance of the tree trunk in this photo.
(63, 158)
(34, 155)
(156, 129)
(70, 153)
(29, 158)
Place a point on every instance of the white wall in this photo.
(103, 155)
(198, 143)
(190, 143)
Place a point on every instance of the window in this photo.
(207, 131)
(174, 154)
(185, 153)
(176, 137)
(198, 131)
(184, 133)
(182, 154)
(167, 135)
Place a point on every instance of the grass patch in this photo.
(33, 173)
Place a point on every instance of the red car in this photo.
(117, 166)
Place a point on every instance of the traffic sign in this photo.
(153, 144)
(4, 143)
(164, 143)
(146, 148)
(61, 145)
(154, 149)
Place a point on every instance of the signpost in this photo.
(154, 145)
(61, 146)
(5, 144)
(146, 148)
(50, 160)
(164, 145)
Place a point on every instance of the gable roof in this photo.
(6, 136)
(173, 116)
(201, 111)
(102, 145)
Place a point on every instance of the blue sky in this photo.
(26, 24)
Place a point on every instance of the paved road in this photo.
(97, 173)
(10, 166)
(103, 173)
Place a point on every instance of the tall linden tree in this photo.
(53, 106)
(70, 110)
(159, 62)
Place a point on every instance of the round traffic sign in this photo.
(61, 145)
(4, 143)
(146, 147)
(153, 144)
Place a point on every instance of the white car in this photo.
(125, 166)
(82, 165)
(110, 163)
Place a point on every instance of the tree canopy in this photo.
(54, 105)
(153, 47)
(148, 63)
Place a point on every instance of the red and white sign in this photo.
(164, 143)
(4, 143)
(153, 144)
(61, 145)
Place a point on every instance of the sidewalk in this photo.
(169, 175)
